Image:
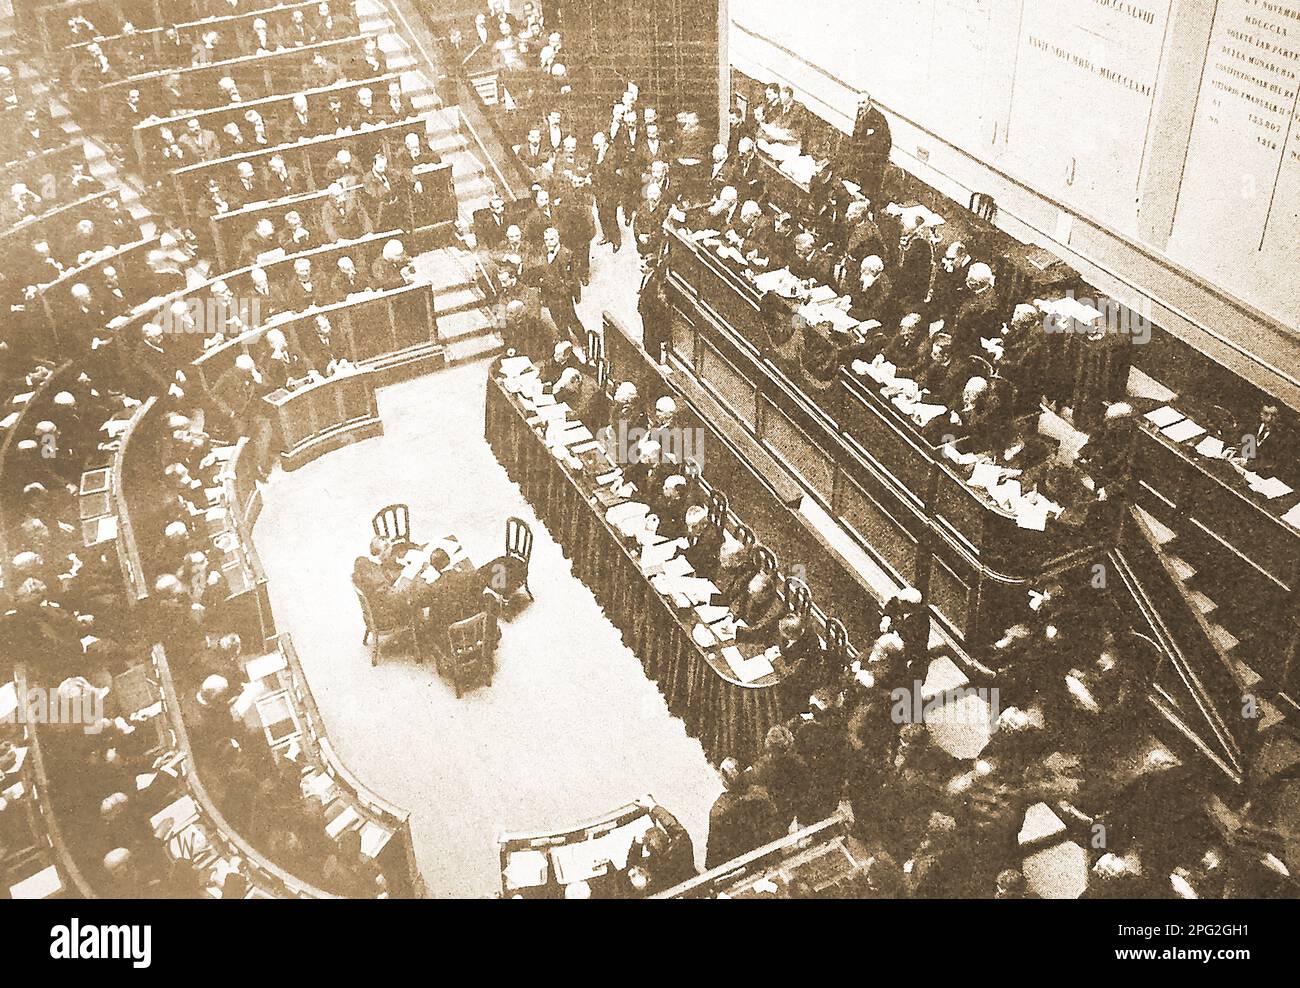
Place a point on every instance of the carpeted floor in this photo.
(570, 727)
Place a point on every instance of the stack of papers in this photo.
(1292, 517)
(1210, 446)
(526, 869)
(1270, 488)
(711, 613)
(514, 366)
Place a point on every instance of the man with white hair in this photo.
(703, 542)
(379, 192)
(343, 217)
(347, 281)
(979, 315)
(207, 716)
(873, 298)
(305, 290)
(247, 187)
(751, 234)
(302, 124)
(295, 237)
(393, 268)
(721, 213)
(281, 180)
(262, 299)
(364, 113)
(720, 172)
(258, 241)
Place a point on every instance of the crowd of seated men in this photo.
(118, 50)
(70, 624)
(931, 327)
(30, 127)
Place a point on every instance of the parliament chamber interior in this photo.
(678, 449)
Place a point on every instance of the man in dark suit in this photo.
(347, 281)
(363, 111)
(539, 218)
(490, 223)
(280, 181)
(343, 217)
(665, 856)
(873, 298)
(871, 143)
(246, 188)
(257, 241)
(374, 575)
(950, 283)
(703, 542)
(306, 290)
(577, 226)
(916, 266)
(379, 194)
(336, 117)
(604, 186)
(301, 123)
(559, 286)
(728, 837)
(200, 143)
(396, 105)
(978, 316)
(747, 171)
(320, 72)
(392, 269)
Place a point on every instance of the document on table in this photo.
(1270, 488)
(342, 822)
(526, 869)
(711, 613)
(1182, 431)
(1163, 417)
(514, 366)
(678, 566)
(265, 665)
(654, 556)
(1210, 446)
(578, 862)
(985, 475)
(1292, 517)
(822, 293)
(747, 670)
(173, 817)
(42, 885)
(373, 838)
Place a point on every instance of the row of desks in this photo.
(865, 462)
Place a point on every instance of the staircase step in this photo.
(475, 348)
(1182, 568)
(455, 296)
(464, 325)
(1203, 604)
(1162, 532)
(1223, 637)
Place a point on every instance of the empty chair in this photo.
(719, 506)
(393, 522)
(469, 655)
(519, 550)
(386, 626)
(745, 535)
(766, 558)
(595, 346)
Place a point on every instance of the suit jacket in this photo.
(341, 286)
(978, 316)
(350, 222)
(296, 128)
(761, 614)
(252, 245)
(557, 279)
(297, 297)
(203, 147)
(489, 228)
(536, 223)
(914, 272)
(703, 550)
(275, 187)
(385, 274)
(240, 195)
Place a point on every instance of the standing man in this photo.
(604, 186)
(559, 286)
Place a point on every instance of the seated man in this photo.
(260, 240)
(374, 575)
(348, 281)
(670, 506)
(943, 375)
(904, 349)
(751, 234)
(704, 542)
(295, 237)
(760, 608)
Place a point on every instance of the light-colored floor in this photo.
(570, 727)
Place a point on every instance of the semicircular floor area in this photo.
(570, 727)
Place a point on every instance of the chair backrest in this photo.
(798, 598)
(602, 372)
(837, 641)
(519, 539)
(983, 205)
(719, 506)
(468, 638)
(745, 535)
(766, 558)
(394, 522)
(595, 346)
(367, 613)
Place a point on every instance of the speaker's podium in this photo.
(433, 200)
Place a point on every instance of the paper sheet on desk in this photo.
(747, 670)
(823, 293)
(655, 555)
(1270, 487)
(514, 366)
(1292, 517)
(1163, 417)
(628, 517)
(42, 885)
(688, 591)
(700, 235)
(985, 476)
(1181, 432)
(780, 281)
(711, 613)
(727, 252)
(373, 838)
(342, 822)
(926, 413)
(265, 665)
(526, 869)
(1210, 446)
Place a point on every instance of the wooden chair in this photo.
(602, 373)
(469, 658)
(983, 206)
(595, 346)
(719, 509)
(798, 598)
(393, 522)
(745, 535)
(399, 625)
(519, 546)
(766, 558)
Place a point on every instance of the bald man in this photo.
(979, 315)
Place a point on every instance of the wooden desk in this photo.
(324, 415)
(43, 173)
(730, 717)
(587, 852)
(275, 110)
(255, 75)
(311, 158)
(823, 856)
(866, 464)
(385, 828)
(134, 278)
(46, 860)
